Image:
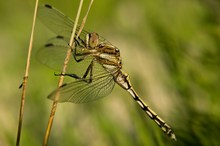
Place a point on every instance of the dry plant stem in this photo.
(84, 19)
(25, 78)
(68, 55)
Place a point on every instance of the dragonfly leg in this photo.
(70, 75)
(88, 70)
(81, 40)
(80, 59)
(78, 45)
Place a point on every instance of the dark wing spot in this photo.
(60, 37)
(21, 85)
(49, 45)
(48, 6)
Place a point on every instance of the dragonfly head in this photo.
(92, 39)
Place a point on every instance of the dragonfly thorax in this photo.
(109, 57)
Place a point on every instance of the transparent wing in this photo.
(81, 91)
(55, 20)
(60, 24)
(53, 54)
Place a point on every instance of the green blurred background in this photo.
(169, 48)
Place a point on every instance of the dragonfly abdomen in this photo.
(123, 80)
(161, 123)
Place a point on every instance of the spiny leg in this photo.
(70, 75)
(88, 70)
(83, 45)
(81, 40)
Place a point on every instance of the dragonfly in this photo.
(99, 59)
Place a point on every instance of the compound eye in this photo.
(116, 50)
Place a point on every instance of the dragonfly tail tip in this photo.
(173, 137)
